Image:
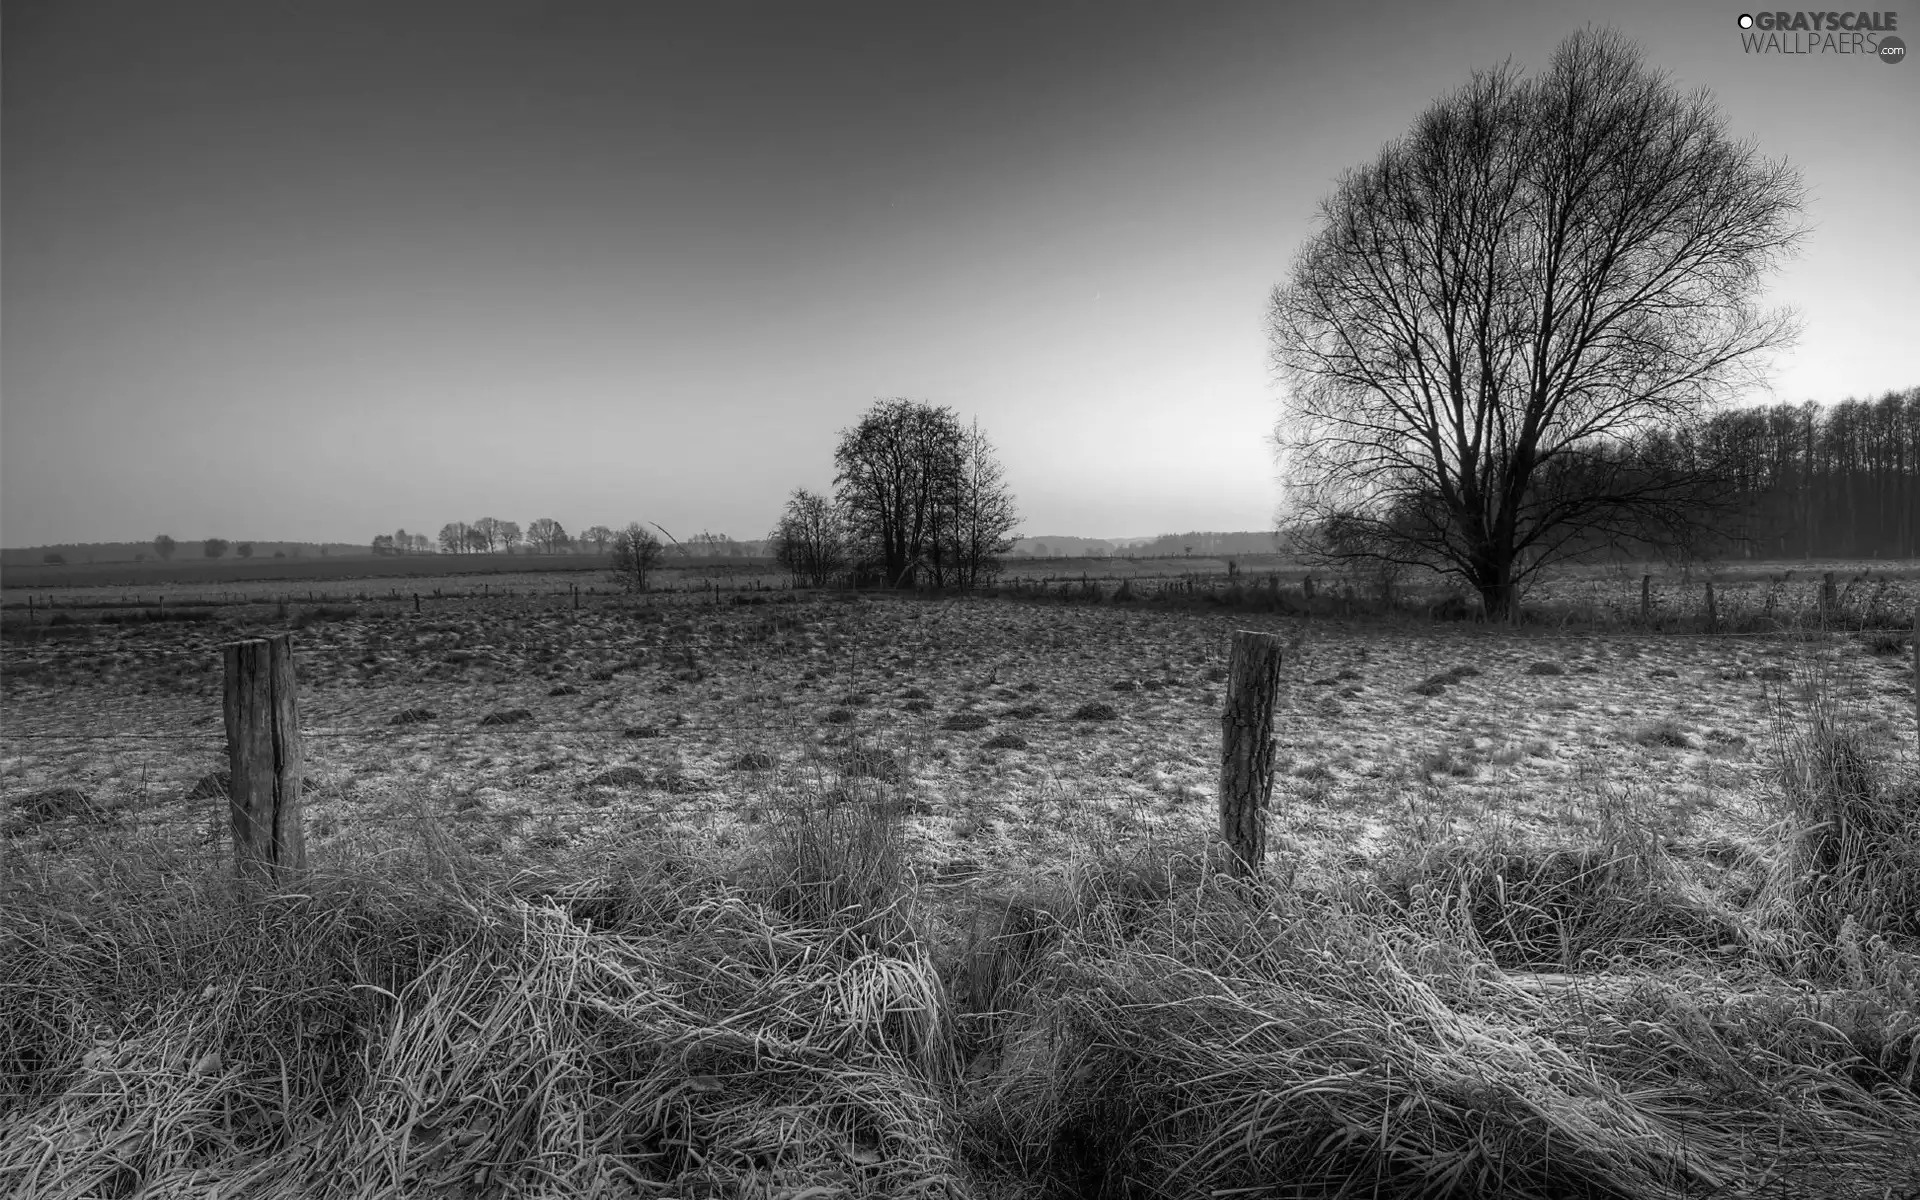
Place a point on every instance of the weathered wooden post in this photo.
(30, 620)
(1646, 599)
(264, 759)
(1713, 611)
(1246, 749)
(1827, 597)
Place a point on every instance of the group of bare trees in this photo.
(919, 498)
(491, 535)
(1503, 338)
(402, 542)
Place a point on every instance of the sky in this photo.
(276, 270)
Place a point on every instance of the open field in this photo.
(1537, 924)
(1538, 721)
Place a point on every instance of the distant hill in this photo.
(1167, 545)
(81, 553)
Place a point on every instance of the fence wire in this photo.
(63, 815)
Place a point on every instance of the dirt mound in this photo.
(620, 777)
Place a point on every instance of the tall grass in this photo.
(403, 1026)
(1851, 864)
(806, 1018)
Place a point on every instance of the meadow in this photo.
(760, 893)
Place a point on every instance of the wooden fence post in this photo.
(1827, 598)
(1713, 611)
(264, 759)
(1646, 599)
(1246, 749)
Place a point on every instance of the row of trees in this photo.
(491, 535)
(918, 498)
(165, 547)
(1833, 481)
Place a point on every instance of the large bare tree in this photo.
(893, 470)
(1501, 335)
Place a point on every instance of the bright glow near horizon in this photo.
(314, 272)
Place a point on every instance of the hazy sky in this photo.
(320, 269)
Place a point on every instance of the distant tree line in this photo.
(1170, 545)
(1813, 481)
(918, 498)
(491, 535)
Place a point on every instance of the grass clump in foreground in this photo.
(807, 1020)
(406, 1026)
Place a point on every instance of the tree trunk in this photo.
(1246, 749)
(1493, 579)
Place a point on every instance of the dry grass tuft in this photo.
(1666, 734)
(1852, 834)
(1886, 641)
(1233, 1037)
